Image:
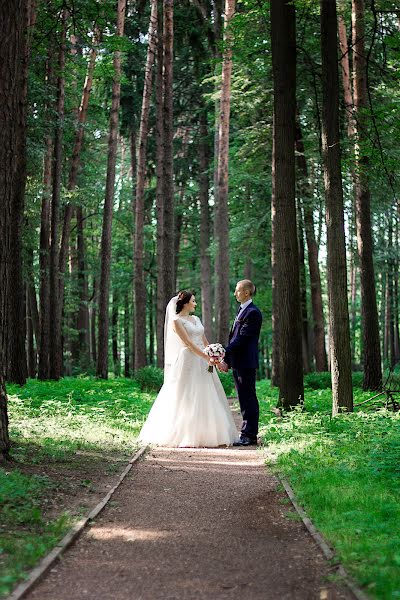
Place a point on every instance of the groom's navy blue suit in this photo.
(242, 356)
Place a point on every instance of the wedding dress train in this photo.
(191, 409)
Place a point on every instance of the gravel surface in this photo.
(190, 524)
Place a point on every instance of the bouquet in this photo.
(216, 352)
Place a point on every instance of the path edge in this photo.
(321, 542)
(38, 572)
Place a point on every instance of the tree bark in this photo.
(346, 78)
(83, 293)
(104, 288)
(390, 294)
(93, 323)
(127, 346)
(275, 303)
(138, 275)
(283, 46)
(222, 256)
(340, 355)
(321, 362)
(31, 351)
(74, 165)
(55, 345)
(76, 152)
(13, 21)
(114, 335)
(303, 295)
(217, 10)
(168, 168)
(396, 293)
(16, 321)
(205, 226)
(44, 257)
(161, 299)
(369, 310)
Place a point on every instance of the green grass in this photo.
(345, 472)
(54, 426)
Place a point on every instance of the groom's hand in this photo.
(222, 366)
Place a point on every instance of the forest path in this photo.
(190, 524)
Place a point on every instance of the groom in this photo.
(241, 355)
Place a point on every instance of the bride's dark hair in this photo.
(183, 298)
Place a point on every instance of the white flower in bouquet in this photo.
(216, 352)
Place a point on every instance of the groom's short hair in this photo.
(249, 286)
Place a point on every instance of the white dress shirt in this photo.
(242, 307)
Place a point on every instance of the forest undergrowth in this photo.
(70, 434)
(345, 472)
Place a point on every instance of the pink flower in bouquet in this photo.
(216, 352)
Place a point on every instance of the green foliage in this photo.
(52, 424)
(345, 472)
(321, 381)
(150, 379)
(227, 382)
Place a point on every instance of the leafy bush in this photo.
(150, 379)
(227, 382)
(318, 381)
(322, 380)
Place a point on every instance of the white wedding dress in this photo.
(191, 409)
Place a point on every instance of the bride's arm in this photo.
(205, 341)
(181, 331)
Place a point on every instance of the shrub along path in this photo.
(194, 524)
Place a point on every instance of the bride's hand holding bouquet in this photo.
(215, 353)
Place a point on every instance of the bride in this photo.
(191, 409)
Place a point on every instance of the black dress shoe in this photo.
(245, 441)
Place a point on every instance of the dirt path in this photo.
(191, 524)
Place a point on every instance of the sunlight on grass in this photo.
(58, 423)
(345, 472)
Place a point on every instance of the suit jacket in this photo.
(242, 350)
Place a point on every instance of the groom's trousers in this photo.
(245, 380)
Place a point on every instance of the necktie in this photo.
(238, 313)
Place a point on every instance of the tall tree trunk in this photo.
(161, 299)
(283, 46)
(114, 335)
(134, 175)
(303, 295)
(168, 167)
(353, 311)
(205, 226)
(275, 302)
(321, 362)
(44, 256)
(127, 345)
(138, 275)
(31, 295)
(31, 351)
(17, 363)
(340, 355)
(218, 27)
(222, 257)
(83, 292)
(13, 21)
(370, 325)
(104, 289)
(151, 323)
(396, 293)
(55, 345)
(93, 323)
(75, 163)
(345, 69)
(390, 293)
